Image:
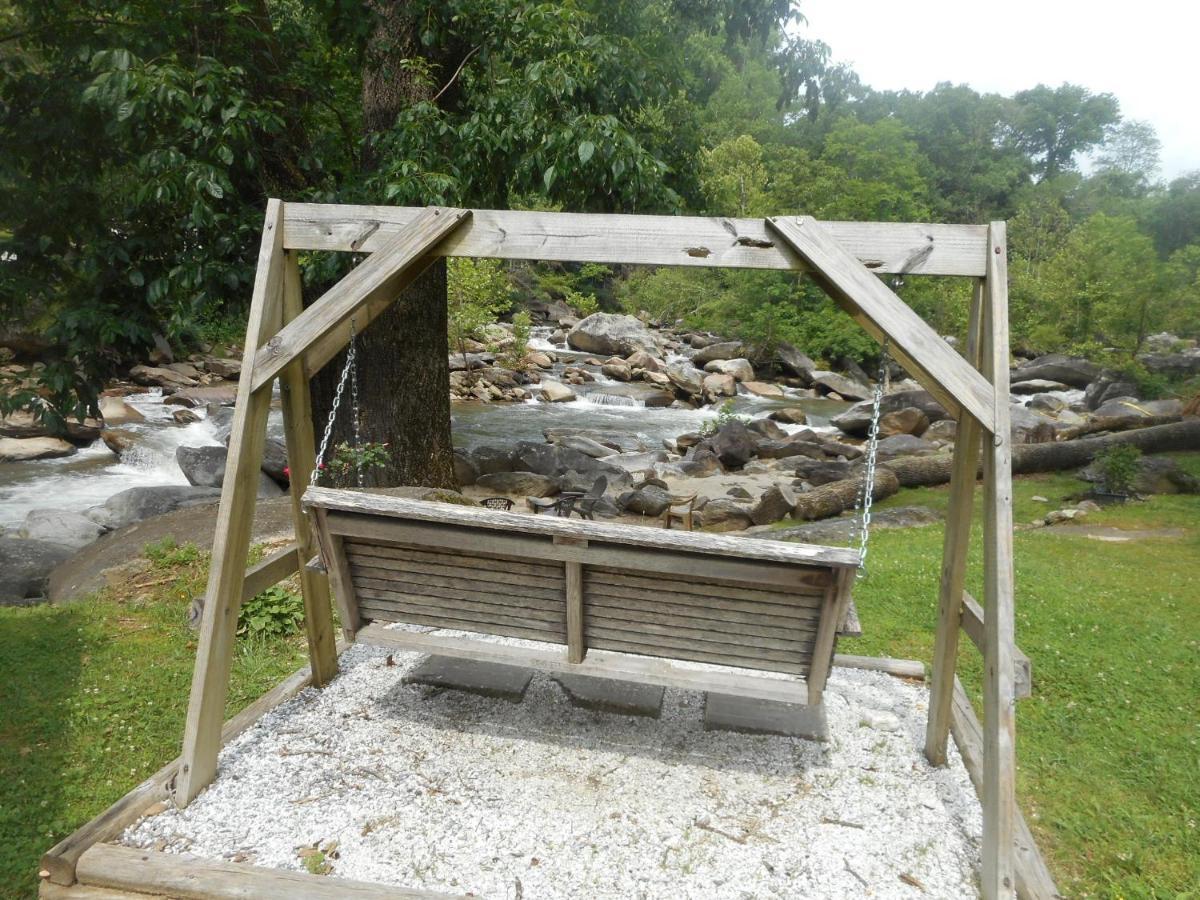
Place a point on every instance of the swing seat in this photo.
(626, 602)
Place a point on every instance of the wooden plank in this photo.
(388, 613)
(189, 877)
(433, 603)
(972, 624)
(270, 571)
(315, 334)
(387, 506)
(334, 555)
(788, 642)
(918, 347)
(901, 668)
(481, 567)
(999, 719)
(659, 646)
(302, 457)
(576, 643)
(235, 515)
(61, 859)
(956, 542)
(1033, 878)
(466, 587)
(697, 617)
(648, 240)
(776, 602)
(807, 583)
(822, 654)
(599, 664)
(715, 571)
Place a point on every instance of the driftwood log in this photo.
(837, 496)
(1115, 423)
(923, 471)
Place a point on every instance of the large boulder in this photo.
(649, 500)
(904, 445)
(119, 441)
(740, 368)
(637, 462)
(792, 361)
(1123, 407)
(701, 463)
(24, 449)
(815, 472)
(725, 514)
(60, 526)
(722, 350)
(844, 387)
(554, 460)
(789, 447)
(1155, 475)
(205, 467)
(734, 444)
(1173, 365)
(1105, 388)
(492, 459)
(115, 411)
(767, 429)
(526, 484)
(640, 359)
(1073, 370)
(275, 462)
(194, 397)
(686, 378)
(857, 419)
(136, 504)
(1038, 386)
(909, 420)
(587, 445)
(608, 334)
(224, 367)
(1030, 427)
(619, 441)
(153, 376)
(25, 567)
(465, 472)
(791, 415)
(762, 389)
(555, 392)
(719, 385)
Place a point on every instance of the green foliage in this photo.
(583, 304)
(1119, 465)
(347, 459)
(522, 324)
(733, 178)
(168, 552)
(725, 415)
(478, 292)
(276, 612)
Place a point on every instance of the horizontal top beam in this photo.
(883, 247)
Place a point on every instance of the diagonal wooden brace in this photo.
(945, 374)
(323, 329)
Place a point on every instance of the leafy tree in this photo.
(478, 291)
(733, 178)
(1054, 125)
(1174, 219)
(1131, 148)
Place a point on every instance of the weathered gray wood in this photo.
(576, 641)
(270, 571)
(235, 515)
(374, 615)
(321, 330)
(384, 505)
(537, 595)
(955, 544)
(744, 623)
(627, 641)
(701, 633)
(61, 859)
(598, 663)
(804, 606)
(188, 877)
(901, 668)
(1033, 878)
(338, 567)
(48, 890)
(972, 624)
(302, 455)
(649, 240)
(883, 315)
(826, 639)
(807, 586)
(437, 599)
(999, 713)
(500, 571)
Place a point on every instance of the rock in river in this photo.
(612, 335)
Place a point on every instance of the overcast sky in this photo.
(1145, 52)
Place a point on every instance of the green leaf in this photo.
(548, 177)
(136, 278)
(586, 149)
(216, 190)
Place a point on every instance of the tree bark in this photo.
(838, 496)
(924, 471)
(404, 375)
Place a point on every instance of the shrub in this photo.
(276, 612)
(725, 415)
(522, 324)
(1119, 466)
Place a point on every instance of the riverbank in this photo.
(1110, 810)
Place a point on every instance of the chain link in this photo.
(358, 467)
(348, 370)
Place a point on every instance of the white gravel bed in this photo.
(449, 791)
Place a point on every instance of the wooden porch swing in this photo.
(624, 601)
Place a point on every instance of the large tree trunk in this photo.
(404, 375)
(837, 496)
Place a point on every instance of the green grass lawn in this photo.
(1109, 745)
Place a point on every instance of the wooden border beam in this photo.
(708, 242)
(883, 315)
(321, 330)
(972, 624)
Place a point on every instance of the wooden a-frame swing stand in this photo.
(288, 342)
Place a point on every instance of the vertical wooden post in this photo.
(955, 546)
(235, 518)
(301, 454)
(999, 712)
(576, 645)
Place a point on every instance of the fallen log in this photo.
(924, 471)
(838, 496)
(1115, 423)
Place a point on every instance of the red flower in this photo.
(287, 472)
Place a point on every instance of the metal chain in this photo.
(868, 488)
(358, 467)
(347, 370)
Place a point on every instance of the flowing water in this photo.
(94, 474)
